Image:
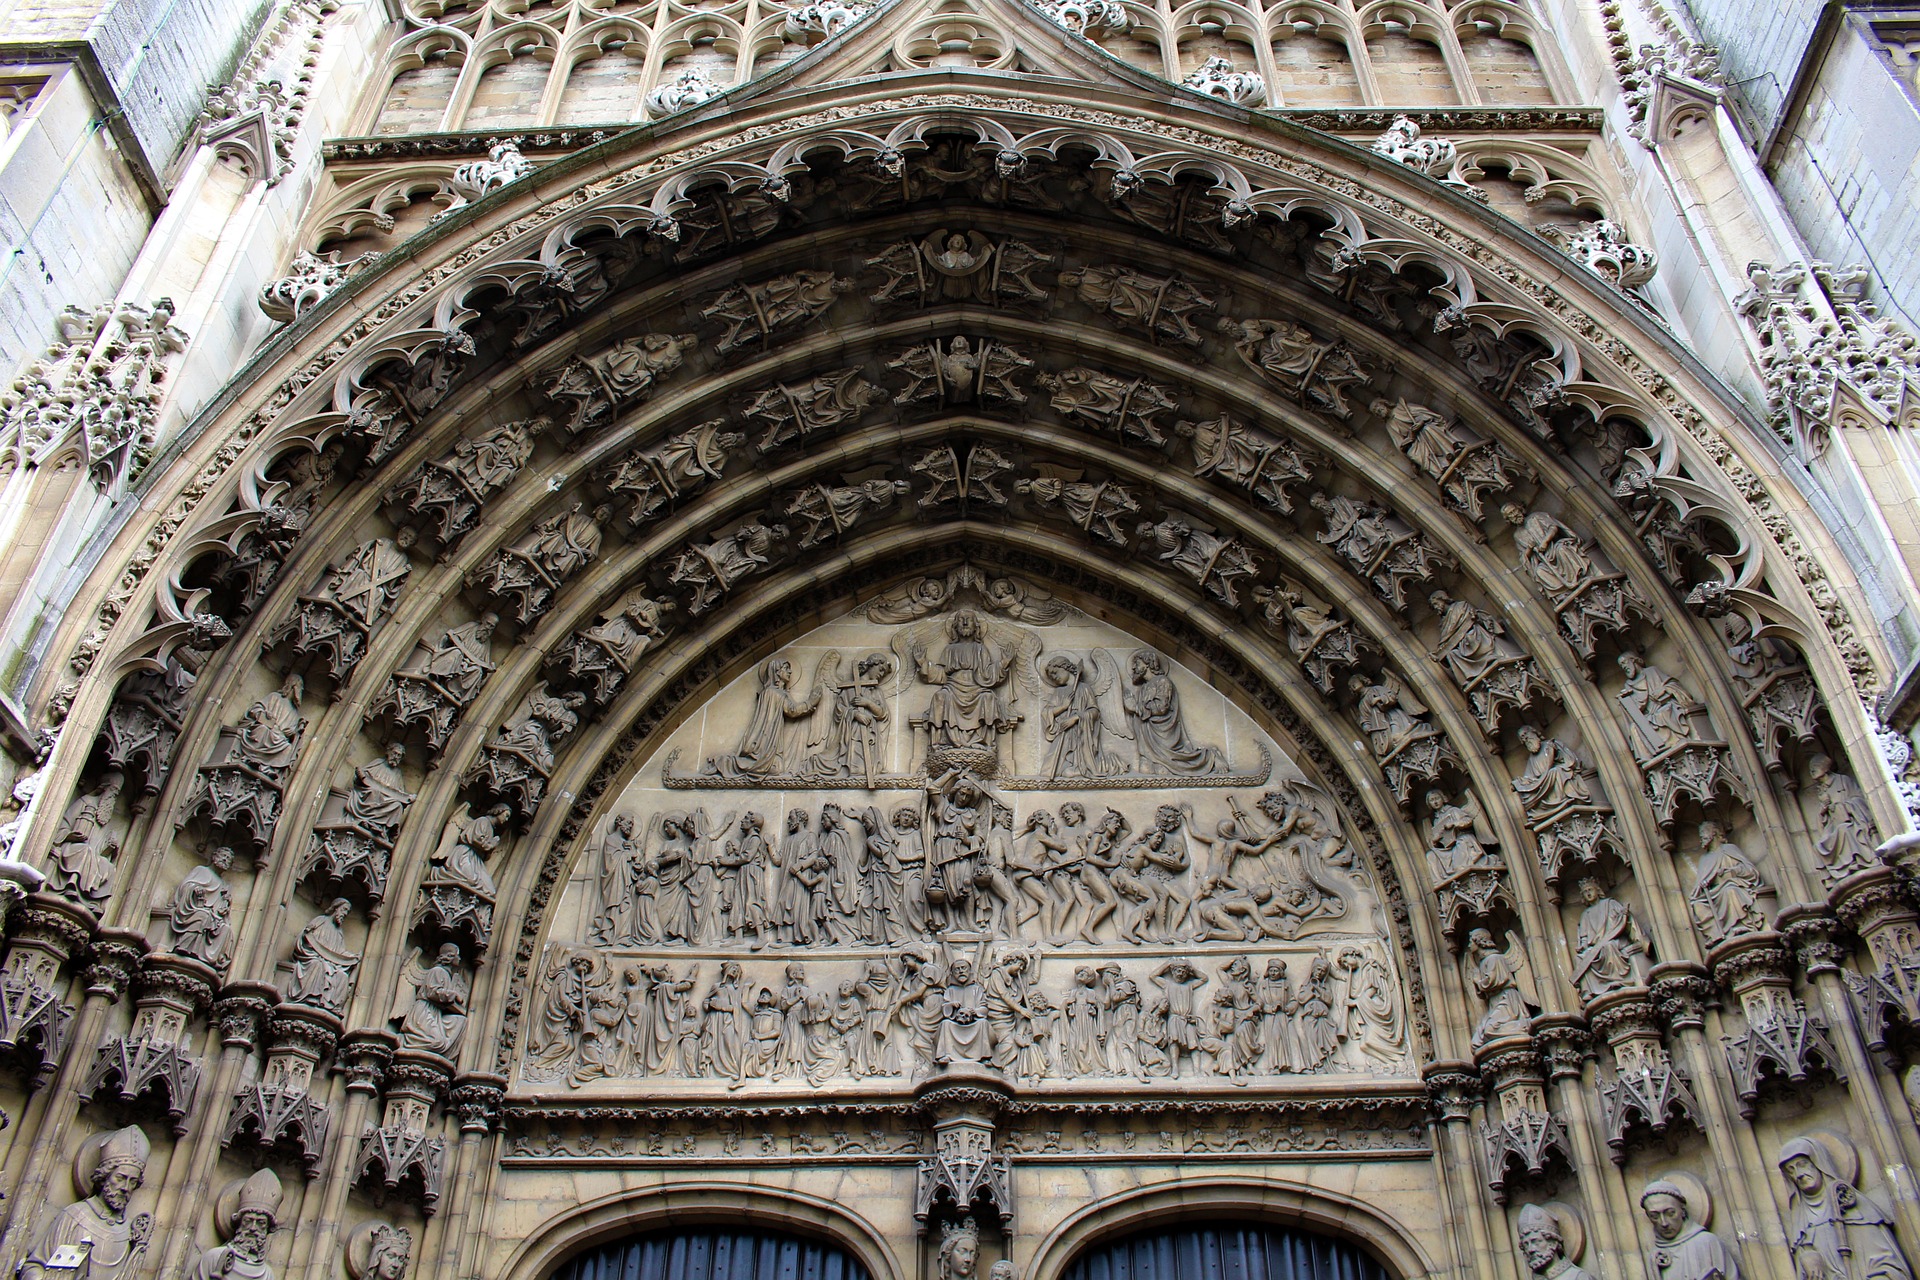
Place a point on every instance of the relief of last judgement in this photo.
(957, 827)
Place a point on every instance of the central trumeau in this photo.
(968, 827)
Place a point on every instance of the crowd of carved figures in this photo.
(960, 861)
(608, 1015)
(954, 899)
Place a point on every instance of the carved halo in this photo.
(1842, 1155)
(358, 1250)
(87, 1159)
(1573, 1232)
(1693, 1191)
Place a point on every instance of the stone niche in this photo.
(967, 827)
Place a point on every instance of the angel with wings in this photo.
(855, 742)
(431, 1009)
(1500, 978)
(1079, 715)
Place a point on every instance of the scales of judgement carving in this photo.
(968, 824)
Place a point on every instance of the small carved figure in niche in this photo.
(831, 510)
(1589, 595)
(1609, 951)
(110, 1168)
(608, 651)
(85, 845)
(515, 764)
(711, 569)
(144, 721)
(377, 1251)
(773, 736)
(1073, 721)
(323, 964)
(1214, 563)
(1318, 373)
(442, 679)
(1543, 1243)
(754, 312)
(1500, 979)
(1836, 1231)
(1128, 409)
(630, 370)
(1490, 669)
(953, 481)
(1152, 703)
(335, 620)
(1684, 1248)
(1469, 876)
(201, 910)
(1463, 465)
(1099, 509)
(1162, 307)
(1848, 836)
(1325, 644)
(1554, 780)
(1379, 546)
(1660, 713)
(1727, 888)
(959, 266)
(1405, 744)
(792, 412)
(960, 372)
(658, 476)
(431, 1012)
(1777, 692)
(525, 576)
(1249, 458)
(379, 799)
(246, 1227)
(457, 892)
(856, 741)
(239, 791)
(447, 494)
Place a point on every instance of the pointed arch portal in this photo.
(961, 642)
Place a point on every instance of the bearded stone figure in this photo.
(1834, 1231)
(95, 1237)
(1685, 1249)
(1543, 1243)
(247, 1224)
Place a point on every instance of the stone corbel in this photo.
(278, 1112)
(399, 1157)
(154, 1058)
(1528, 1143)
(1645, 1092)
(963, 1179)
(34, 1021)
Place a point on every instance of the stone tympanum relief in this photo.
(967, 824)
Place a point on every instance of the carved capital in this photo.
(241, 1013)
(1564, 1043)
(52, 924)
(180, 981)
(115, 956)
(1452, 1089)
(363, 1058)
(1872, 899)
(1809, 929)
(1623, 1014)
(1751, 958)
(477, 1099)
(303, 1030)
(414, 1074)
(1681, 992)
